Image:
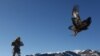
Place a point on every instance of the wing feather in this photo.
(75, 12)
(85, 24)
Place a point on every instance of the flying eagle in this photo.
(78, 24)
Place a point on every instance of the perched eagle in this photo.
(78, 24)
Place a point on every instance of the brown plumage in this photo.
(78, 24)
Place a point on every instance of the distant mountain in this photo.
(87, 52)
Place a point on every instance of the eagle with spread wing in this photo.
(78, 24)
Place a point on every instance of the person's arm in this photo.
(13, 43)
(21, 44)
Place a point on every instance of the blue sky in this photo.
(43, 25)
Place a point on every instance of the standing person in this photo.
(16, 46)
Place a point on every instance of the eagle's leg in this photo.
(74, 29)
(75, 33)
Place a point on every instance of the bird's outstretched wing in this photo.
(85, 24)
(76, 18)
(75, 12)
